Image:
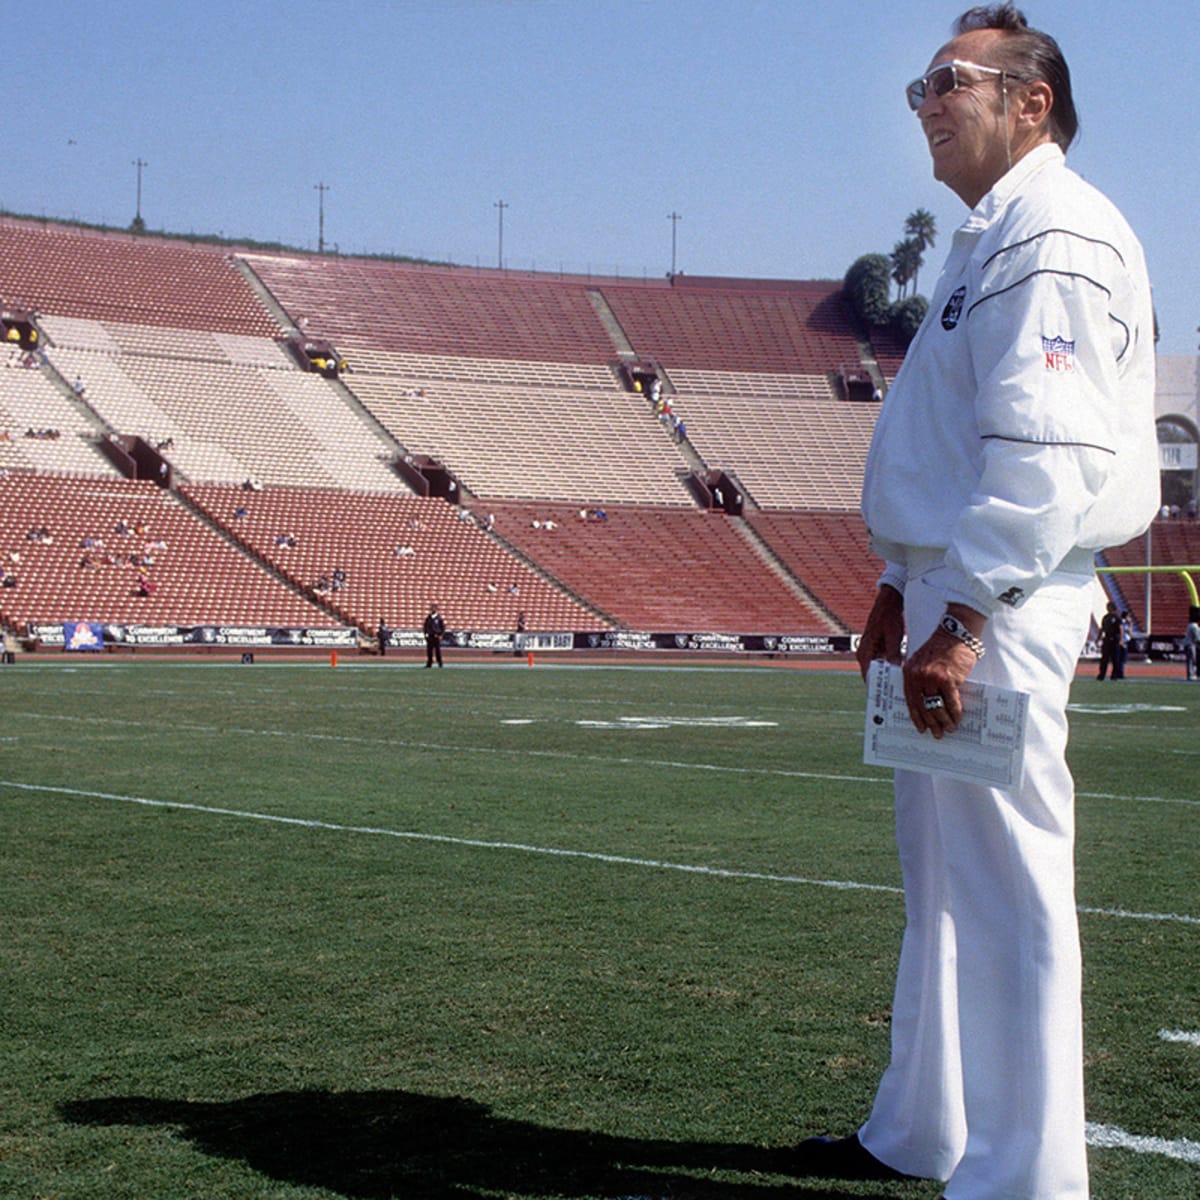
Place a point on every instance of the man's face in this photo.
(965, 129)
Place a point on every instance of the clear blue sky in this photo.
(777, 129)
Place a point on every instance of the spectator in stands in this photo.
(434, 630)
(241, 512)
(405, 551)
(8, 579)
(78, 387)
(1017, 438)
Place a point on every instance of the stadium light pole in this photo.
(321, 188)
(141, 165)
(674, 218)
(500, 253)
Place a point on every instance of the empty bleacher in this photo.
(788, 439)
(528, 440)
(660, 568)
(74, 272)
(732, 325)
(829, 551)
(199, 578)
(477, 582)
(436, 310)
(231, 406)
(32, 402)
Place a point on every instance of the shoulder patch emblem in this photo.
(1060, 355)
(953, 310)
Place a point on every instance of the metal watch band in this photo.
(956, 629)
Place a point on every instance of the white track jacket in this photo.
(1019, 434)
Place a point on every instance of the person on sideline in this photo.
(1110, 642)
(435, 630)
(1017, 439)
(1191, 645)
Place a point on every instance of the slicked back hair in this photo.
(1030, 55)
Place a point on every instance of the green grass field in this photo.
(291, 931)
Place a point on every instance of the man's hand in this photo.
(884, 633)
(939, 668)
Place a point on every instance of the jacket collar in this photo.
(1038, 159)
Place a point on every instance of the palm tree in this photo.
(906, 260)
(921, 226)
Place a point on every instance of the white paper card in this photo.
(987, 747)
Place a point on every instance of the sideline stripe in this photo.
(551, 851)
(1124, 914)
(446, 839)
(440, 747)
(1109, 1137)
(1180, 1035)
(570, 756)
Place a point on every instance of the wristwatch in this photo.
(956, 629)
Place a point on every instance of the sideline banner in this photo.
(82, 635)
(94, 635)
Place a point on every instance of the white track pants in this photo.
(985, 1085)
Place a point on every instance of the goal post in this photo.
(1184, 572)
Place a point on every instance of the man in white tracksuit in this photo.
(1017, 439)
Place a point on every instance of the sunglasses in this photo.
(944, 79)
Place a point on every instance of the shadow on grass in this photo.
(376, 1145)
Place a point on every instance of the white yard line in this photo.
(1180, 1035)
(1109, 1137)
(551, 851)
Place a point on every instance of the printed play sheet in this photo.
(987, 747)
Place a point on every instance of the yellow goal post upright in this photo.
(1184, 572)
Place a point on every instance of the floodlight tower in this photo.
(321, 188)
(138, 223)
(674, 218)
(499, 204)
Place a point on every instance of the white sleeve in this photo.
(1046, 345)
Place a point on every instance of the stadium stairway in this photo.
(785, 575)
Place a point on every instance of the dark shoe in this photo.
(837, 1158)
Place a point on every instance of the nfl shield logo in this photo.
(1060, 355)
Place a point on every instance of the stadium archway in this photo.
(1177, 461)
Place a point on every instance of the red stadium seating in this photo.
(510, 381)
(198, 578)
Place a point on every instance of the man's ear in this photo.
(1037, 100)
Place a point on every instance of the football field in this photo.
(294, 932)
